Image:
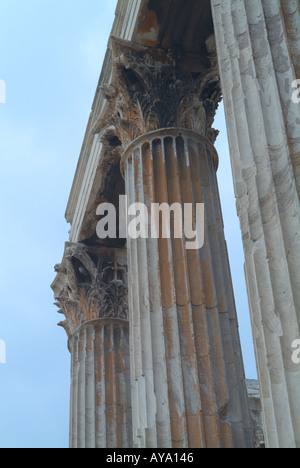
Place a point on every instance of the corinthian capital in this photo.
(150, 91)
(90, 284)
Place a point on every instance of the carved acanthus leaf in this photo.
(115, 304)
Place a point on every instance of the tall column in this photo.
(188, 374)
(258, 50)
(188, 383)
(93, 298)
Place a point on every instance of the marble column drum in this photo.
(188, 383)
(100, 388)
(258, 51)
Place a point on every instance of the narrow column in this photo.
(93, 297)
(99, 412)
(187, 371)
(258, 50)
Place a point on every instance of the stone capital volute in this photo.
(90, 284)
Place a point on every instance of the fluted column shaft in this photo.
(100, 385)
(188, 387)
(258, 50)
(91, 291)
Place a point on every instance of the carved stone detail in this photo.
(87, 290)
(149, 92)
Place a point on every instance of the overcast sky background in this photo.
(51, 57)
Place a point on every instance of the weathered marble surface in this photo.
(258, 52)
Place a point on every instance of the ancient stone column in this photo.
(188, 383)
(258, 50)
(91, 291)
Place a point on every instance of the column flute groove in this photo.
(158, 340)
(202, 342)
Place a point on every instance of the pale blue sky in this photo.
(51, 57)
